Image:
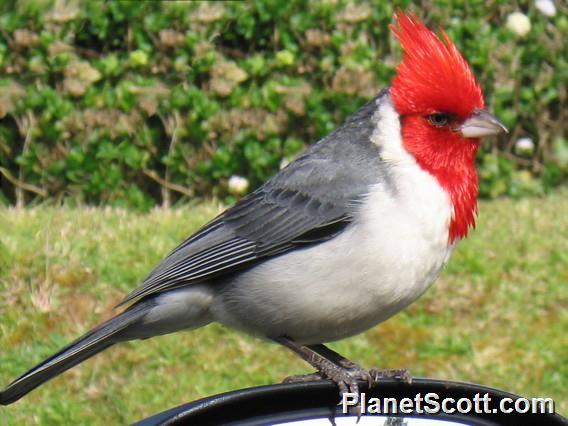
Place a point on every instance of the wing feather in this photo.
(311, 200)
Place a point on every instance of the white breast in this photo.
(384, 261)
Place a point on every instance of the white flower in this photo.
(524, 146)
(546, 7)
(519, 23)
(238, 185)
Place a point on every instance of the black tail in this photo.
(95, 341)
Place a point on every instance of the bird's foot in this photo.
(357, 373)
(302, 378)
(347, 376)
(344, 373)
(348, 364)
(401, 374)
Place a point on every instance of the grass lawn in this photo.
(498, 315)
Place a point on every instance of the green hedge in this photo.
(144, 103)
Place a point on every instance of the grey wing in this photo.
(309, 201)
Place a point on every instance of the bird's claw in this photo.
(302, 378)
(347, 376)
(401, 374)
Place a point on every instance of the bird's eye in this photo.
(439, 119)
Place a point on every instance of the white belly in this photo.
(381, 264)
(392, 252)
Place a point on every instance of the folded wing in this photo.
(311, 200)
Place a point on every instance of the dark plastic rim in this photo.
(299, 401)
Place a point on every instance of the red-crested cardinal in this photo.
(344, 237)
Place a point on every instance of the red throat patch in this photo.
(433, 77)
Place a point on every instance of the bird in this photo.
(348, 234)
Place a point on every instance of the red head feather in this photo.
(434, 78)
(431, 73)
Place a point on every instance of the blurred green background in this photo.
(138, 104)
(496, 316)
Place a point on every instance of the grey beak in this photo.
(480, 124)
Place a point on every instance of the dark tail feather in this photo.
(95, 341)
